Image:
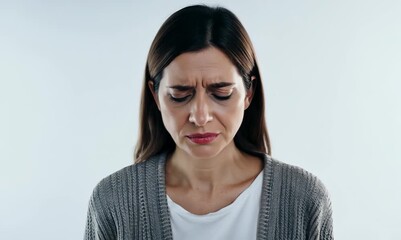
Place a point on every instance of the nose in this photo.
(200, 111)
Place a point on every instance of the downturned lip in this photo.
(202, 135)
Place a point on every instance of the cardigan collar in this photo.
(266, 222)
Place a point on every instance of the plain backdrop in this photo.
(70, 78)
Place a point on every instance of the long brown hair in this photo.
(192, 29)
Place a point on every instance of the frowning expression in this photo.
(202, 100)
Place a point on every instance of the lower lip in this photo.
(203, 140)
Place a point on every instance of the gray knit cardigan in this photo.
(131, 204)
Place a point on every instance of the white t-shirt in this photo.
(237, 221)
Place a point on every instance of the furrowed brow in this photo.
(210, 86)
(220, 85)
(181, 87)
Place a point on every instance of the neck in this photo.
(207, 174)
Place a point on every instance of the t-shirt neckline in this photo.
(257, 183)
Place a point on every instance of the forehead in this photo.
(210, 65)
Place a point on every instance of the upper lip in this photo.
(202, 135)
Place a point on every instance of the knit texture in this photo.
(132, 204)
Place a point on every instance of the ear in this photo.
(154, 94)
(249, 93)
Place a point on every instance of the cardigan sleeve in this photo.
(321, 222)
(91, 223)
(100, 223)
(327, 223)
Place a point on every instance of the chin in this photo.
(202, 152)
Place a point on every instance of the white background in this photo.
(70, 77)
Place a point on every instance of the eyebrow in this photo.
(212, 86)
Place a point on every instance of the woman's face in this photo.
(202, 100)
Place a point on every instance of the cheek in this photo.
(173, 118)
(235, 116)
(236, 106)
(231, 114)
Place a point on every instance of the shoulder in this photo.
(294, 198)
(124, 182)
(295, 182)
(107, 191)
(305, 195)
(119, 197)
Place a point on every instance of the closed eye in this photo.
(222, 98)
(179, 99)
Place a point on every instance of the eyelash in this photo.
(222, 98)
(180, 100)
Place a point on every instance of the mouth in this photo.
(202, 138)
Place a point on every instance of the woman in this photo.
(203, 169)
